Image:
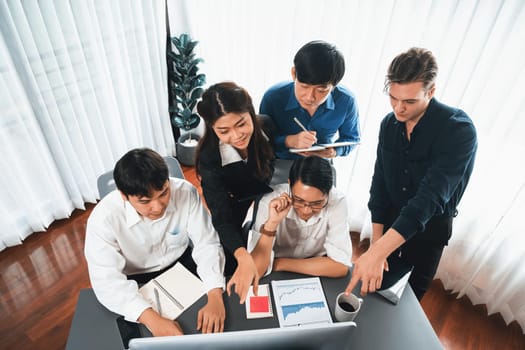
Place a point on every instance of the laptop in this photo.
(395, 279)
(322, 336)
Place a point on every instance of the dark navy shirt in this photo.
(337, 115)
(426, 176)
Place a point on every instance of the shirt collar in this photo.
(132, 217)
(228, 154)
(292, 101)
(329, 103)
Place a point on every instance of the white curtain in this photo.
(81, 82)
(481, 54)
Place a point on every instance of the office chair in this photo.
(106, 184)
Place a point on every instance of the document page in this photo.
(300, 301)
(173, 292)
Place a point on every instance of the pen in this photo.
(299, 123)
(157, 300)
(166, 293)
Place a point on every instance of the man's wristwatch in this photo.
(265, 232)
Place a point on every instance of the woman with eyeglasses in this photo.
(305, 227)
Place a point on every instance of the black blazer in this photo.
(229, 191)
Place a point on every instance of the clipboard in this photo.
(321, 146)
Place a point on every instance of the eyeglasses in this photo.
(299, 203)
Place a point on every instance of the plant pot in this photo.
(187, 148)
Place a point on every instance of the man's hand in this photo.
(368, 268)
(210, 318)
(244, 275)
(277, 211)
(158, 325)
(304, 139)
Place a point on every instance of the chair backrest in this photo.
(106, 183)
(267, 125)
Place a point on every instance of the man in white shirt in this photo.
(143, 228)
(313, 238)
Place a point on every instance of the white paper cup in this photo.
(347, 307)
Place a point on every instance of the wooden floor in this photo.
(40, 281)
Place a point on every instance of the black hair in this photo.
(227, 97)
(414, 65)
(139, 172)
(312, 171)
(319, 62)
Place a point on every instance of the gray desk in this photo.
(380, 325)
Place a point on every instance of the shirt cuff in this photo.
(215, 282)
(406, 227)
(378, 217)
(134, 309)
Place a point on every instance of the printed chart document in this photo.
(321, 146)
(300, 301)
(173, 291)
(261, 305)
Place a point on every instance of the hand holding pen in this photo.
(304, 139)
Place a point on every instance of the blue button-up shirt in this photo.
(337, 117)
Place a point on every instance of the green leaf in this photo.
(195, 62)
(185, 82)
(196, 94)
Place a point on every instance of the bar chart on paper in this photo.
(300, 301)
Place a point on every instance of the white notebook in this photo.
(177, 289)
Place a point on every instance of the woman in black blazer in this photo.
(235, 165)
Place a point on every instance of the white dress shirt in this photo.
(120, 242)
(325, 233)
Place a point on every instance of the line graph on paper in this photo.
(300, 301)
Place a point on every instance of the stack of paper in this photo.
(261, 305)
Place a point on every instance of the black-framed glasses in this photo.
(299, 203)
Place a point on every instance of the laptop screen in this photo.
(324, 336)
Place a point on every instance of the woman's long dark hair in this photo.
(227, 97)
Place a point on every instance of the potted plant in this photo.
(185, 89)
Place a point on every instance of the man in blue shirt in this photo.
(327, 111)
(425, 157)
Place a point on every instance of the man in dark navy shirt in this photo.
(424, 160)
